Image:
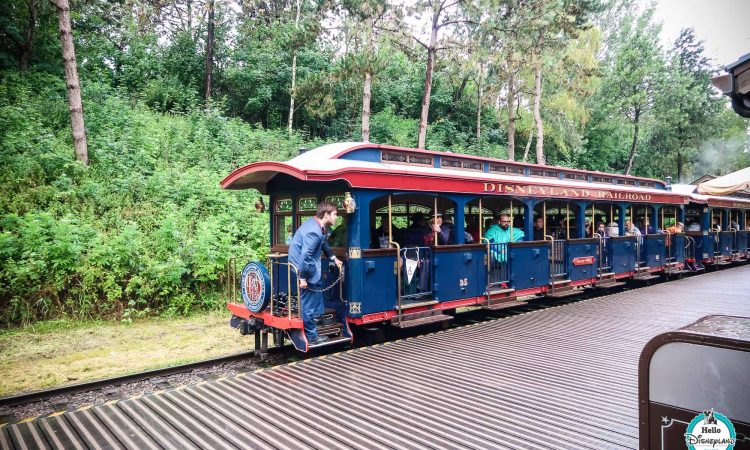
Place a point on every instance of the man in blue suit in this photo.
(308, 243)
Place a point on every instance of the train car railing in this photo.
(669, 253)
(604, 254)
(640, 253)
(498, 266)
(716, 236)
(285, 303)
(689, 249)
(557, 269)
(416, 273)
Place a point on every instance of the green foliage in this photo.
(145, 228)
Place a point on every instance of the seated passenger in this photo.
(631, 229)
(379, 237)
(447, 229)
(500, 232)
(647, 228)
(472, 228)
(539, 229)
(413, 235)
(601, 230)
(679, 227)
(715, 225)
(434, 229)
(614, 229)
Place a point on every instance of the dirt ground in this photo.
(56, 353)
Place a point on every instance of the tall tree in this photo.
(634, 73)
(209, 46)
(292, 91)
(71, 80)
(442, 14)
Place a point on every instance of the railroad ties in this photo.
(561, 377)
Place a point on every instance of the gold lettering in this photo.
(489, 187)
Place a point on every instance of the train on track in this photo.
(565, 229)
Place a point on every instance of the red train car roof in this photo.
(375, 166)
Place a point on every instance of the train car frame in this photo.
(386, 188)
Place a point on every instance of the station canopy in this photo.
(733, 182)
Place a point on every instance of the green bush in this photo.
(145, 228)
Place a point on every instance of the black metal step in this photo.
(331, 341)
(334, 329)
(502, 303)
(562, 293)
(420, 318)
(500, 290)
(645, 276)
(609, 284)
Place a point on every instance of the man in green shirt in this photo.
(500, 233)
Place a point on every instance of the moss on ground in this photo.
(55, 353)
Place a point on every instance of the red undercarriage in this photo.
(286, 323)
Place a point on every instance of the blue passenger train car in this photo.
(422, 233)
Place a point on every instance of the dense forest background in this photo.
(177, 93)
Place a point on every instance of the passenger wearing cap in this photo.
(447, 229)
(437, 227)
(413, 235)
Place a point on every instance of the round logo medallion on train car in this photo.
(256, 286)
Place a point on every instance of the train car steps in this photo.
(420, 318)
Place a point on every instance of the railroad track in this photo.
(281, 354)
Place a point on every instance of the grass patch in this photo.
(59, 352)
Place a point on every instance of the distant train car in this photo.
(507, 229)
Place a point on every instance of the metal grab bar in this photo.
(397, 269)
(557, 256)
(604, 262)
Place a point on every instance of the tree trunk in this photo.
(428, 76)
(679, 166)
(366, 96)
(210, 49)
(633, 147)
(292, 92)
(426, 99)
(479, 109)
(28, 47)
(538, 114)
(528, 147)
(457, 96)
(511, 110)
(190, 18)
(71, 79)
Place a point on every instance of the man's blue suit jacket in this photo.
(305, 249)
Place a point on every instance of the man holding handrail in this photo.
(308, 243)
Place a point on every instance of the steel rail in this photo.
(46, 394)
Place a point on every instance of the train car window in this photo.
(337, 236)
(503, 168)
(600, 179)
(641, 217)
(667, 217)
(306, 207)
(693, 218)
(404, 158)
(447, 162)
(282, 221)
(575, 176)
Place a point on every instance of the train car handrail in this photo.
(397, 269)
